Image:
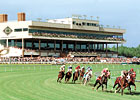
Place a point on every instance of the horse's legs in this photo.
(116, 90)
(73, 76)
(102, 87)
(60, 80)
(122, 89)
(80, 78)
(57, 79)
(99, 85)
(85, 82)
(66, 80)
(114, 85)
(134, 85)
(96, 83)
(129, 88)
(106, 86)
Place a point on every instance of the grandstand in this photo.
(57, 37)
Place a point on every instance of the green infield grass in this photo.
(38, 82)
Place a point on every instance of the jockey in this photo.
(123, 73)
(88, 70)
(69, 69)
(105, 71)
(88, 73)
(131, 71)
(62, 68)
(81, 68)
(77, 68)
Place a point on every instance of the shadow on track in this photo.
(133, 93)
(72, 83)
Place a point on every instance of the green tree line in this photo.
(127, 51)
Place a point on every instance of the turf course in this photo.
(38, 82)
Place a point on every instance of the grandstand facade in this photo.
(58, 37)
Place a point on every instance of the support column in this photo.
(94, 47)
(103, 47)
(22, 47)
(88, 47)
(7, 44)
(25, 44)
(61, 46)
(32, 44)
(106, 50)
(97, 46)
(66, 46)
(15, 43)
(75, 43)
(47, 45)
(80, 46)
(39, 47)
(117, 49)
(54, 45)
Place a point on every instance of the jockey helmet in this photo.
(106, 69)
(88, 68)
(131, 69)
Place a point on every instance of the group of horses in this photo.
(122, 82)
(76, 75)
(125, 82)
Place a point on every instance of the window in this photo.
(79, 24)
(28, 44)
(51, 45)
(83, 46)
(18, 30)
(19, 44)
(64, 46)
(25, 29)
(35, 45)
(78, 46)
(43, 45)
(83, 23)
(74, 22)
(94, 24)
(57, 45)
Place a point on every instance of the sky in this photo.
(123, 13)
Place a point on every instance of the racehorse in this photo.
(122, 82)
(87, 78)
(101, 80)
(130, 80)
(60, 76)
(68, 76)
(82, 72)
(75, 76)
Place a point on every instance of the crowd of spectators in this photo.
(76, 36)
(68, 60)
